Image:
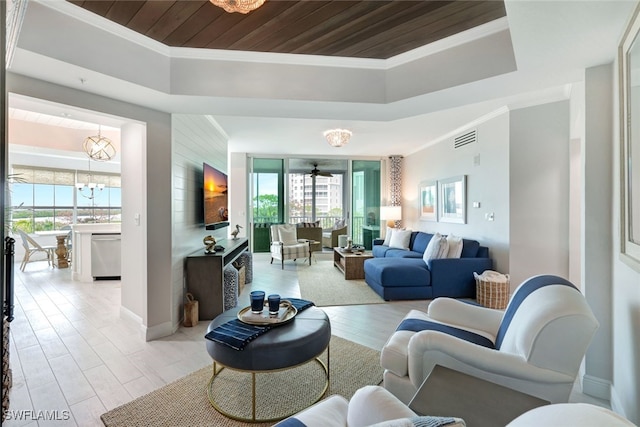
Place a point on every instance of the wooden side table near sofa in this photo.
(349, 263)
(446, 392)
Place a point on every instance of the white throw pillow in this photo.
(288, 235)
(387, 236)
(433, 248)
(400, 239)
(443, 250)
(455, 246)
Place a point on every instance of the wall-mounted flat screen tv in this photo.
(216, 208)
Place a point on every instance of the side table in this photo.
(450, 393)
(350, 264)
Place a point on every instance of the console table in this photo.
(205, 276)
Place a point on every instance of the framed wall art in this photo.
(629, 63)
(452, 199)
(429, 201)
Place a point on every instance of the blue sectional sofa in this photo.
(398, 274)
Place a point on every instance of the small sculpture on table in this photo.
(234, 233)
(209, 243)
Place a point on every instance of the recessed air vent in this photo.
(465, 139)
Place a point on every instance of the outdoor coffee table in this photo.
(295, 343)
(349, 263)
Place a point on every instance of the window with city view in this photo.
(324, 204)
(44, 199)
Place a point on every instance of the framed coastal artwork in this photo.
(452, 199)
(429, 200)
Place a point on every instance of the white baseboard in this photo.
(125, 313)
(153, 333)
(159, 331)
(596, 387)
(128, 314)
(616, 404)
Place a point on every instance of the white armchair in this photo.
(285, 244)
(535, 346)
(370, 405)
(570, 414)
(31, 247)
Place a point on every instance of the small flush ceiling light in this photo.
(99, 148)
(337, 137)
(240, 6)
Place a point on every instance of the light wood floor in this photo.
(74, 358)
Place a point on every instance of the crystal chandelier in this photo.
(337, 137)
(240, 6)
(99, 148)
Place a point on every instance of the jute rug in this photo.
(185, 402)
(325, 285)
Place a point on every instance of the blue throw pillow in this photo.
(429, 421)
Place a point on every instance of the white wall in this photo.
(195, 140)
(145, 179)
(486, 165)
(597, 200)
(625, 309)
(238, 198)
(539, 191)
(134, 236)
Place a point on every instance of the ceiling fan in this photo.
(316, 172)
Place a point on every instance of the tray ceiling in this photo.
(363, 29)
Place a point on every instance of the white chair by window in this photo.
(31, 247)
(285, 244)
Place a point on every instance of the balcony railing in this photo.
(325, 222)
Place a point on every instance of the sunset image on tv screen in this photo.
(215, 196)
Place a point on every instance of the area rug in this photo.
(325, 285)
(185, 402)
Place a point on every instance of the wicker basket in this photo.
(492, 289)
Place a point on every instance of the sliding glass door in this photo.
(365, 196)
(310, 190)
(316, 198)
(267, 199)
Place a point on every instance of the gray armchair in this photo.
(330, 236)
(313, 234)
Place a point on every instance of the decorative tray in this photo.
(286, 314)
(353, 250)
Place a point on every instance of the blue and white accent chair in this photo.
(285, 244)
(534, 346)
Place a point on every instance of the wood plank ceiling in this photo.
(363, 29)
